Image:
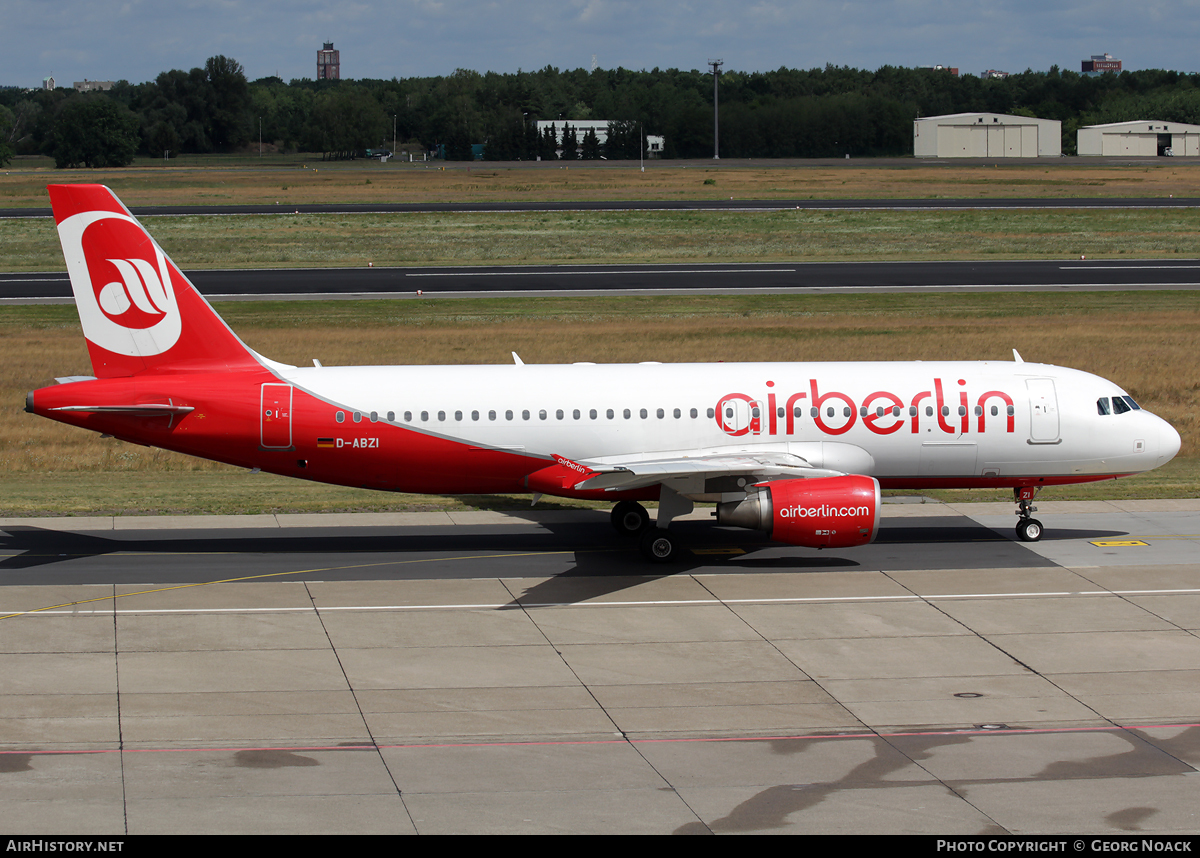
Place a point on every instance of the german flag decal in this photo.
(324, 442)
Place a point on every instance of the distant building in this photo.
(1144, 138)
(994, 74)
(86, 85)
(986, 135)
(329, 63)
(951, 69)
(654, 142)
(48, 83)
(1101, 63)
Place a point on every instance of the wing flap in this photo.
(758, 467)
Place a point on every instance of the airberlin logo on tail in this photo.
(122, 284)
(140, 286)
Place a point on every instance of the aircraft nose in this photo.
(1168, 442)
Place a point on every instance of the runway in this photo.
(580, 280)
(487, 672)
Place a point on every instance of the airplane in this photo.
(800, 451)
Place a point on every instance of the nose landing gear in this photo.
(1029, 529)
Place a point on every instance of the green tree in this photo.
(94, 131)
(624, 141)
(7, 125)
(548, 145)
(345, 122)
(570, 144)
(228, 103)
(589, 150)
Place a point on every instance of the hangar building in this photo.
(1142, 137)
(986, 135)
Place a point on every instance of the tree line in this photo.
(787, 113)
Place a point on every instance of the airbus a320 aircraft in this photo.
(799, 450)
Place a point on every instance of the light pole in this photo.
(716, 72)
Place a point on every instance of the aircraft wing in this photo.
(756, 467)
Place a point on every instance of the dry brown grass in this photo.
(294, 180)
(1146, 342)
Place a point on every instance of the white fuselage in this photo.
(920, 422)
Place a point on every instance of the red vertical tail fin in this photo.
(138, 310)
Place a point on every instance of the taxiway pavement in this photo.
(484, 672)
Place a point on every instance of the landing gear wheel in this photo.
(1029, 530)
(658, 546)
(630, 518)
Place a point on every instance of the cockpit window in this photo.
(1120, 405)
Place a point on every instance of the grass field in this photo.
(313, 241)
(199, 180)
(1145, 341)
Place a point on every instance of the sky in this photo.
(134, 40)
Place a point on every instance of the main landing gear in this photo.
(630, 518)
(655, 542)
(1029, 529)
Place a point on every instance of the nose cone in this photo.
(1168, 442)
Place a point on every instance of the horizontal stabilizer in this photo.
(146, 410)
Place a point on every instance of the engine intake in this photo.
(829, 512)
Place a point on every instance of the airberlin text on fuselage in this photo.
(881, 412)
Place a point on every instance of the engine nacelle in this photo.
(828, 512)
